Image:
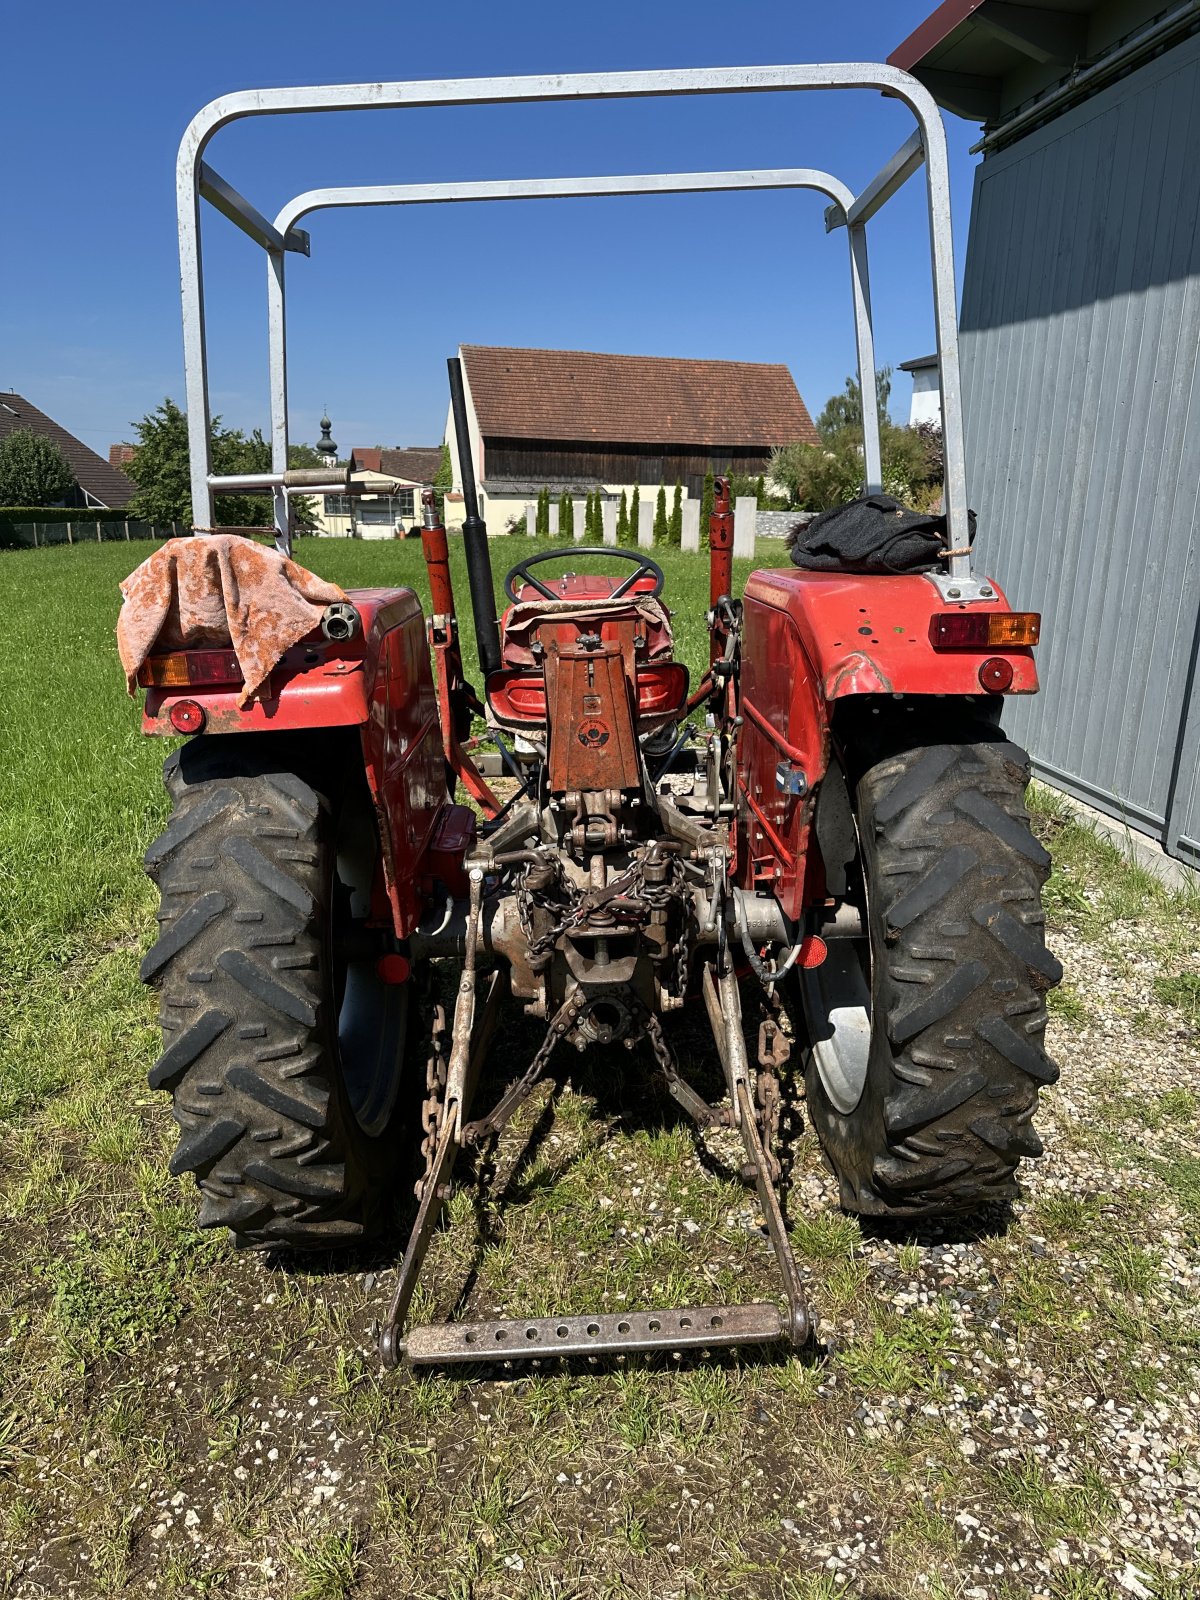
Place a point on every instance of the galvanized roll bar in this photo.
(195, 180)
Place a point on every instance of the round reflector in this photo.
(393, 969)
(996, 674)
(187, 716)
(813, 951)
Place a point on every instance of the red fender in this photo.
(379, 682)
(811, 638)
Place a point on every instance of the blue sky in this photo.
(96, 97)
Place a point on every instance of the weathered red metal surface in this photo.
(870, 635)
(811, 638)
(380, 682)
(402, 747)
(519, 698)
(593, 746)
(720, 553)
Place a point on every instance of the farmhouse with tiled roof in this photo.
(577, 420)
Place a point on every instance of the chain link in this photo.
(433, 1106)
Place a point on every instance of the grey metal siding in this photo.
(1081, 357)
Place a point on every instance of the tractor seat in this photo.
(639, 623)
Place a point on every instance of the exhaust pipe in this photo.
(340, 621)
(475, 541)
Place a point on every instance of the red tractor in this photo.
(824, 840)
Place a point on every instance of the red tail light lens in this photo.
(983, 630)
(186, 669)
(187, 716)
(996, 674)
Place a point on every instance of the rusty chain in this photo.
(433, 1105)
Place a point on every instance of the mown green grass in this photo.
(137, 1356)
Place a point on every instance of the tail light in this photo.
(984, 630)
(188, 669)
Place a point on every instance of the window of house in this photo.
(387, 509)
(337, 505)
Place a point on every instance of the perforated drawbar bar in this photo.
(521, 1339)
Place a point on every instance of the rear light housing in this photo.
(189, 669)
(984, 630)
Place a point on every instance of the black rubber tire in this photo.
(959, 974)
(249, 1006)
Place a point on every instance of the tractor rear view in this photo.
(822, 841)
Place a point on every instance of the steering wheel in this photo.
(645, 568)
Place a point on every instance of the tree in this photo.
(161, 471)
(662, 527)
(706, 507)
(845, 410)
(635, 516)
(675, 530)
(623, 521)
(818, 477)
(566, 516)
(33, 471)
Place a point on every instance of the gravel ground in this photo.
(1009, 1410)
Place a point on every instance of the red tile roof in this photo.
(104, 483)
(583, 396)
(120, 455)
(417, 464)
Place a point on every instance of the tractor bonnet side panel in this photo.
(402, 746)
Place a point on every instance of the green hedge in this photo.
(61, 514)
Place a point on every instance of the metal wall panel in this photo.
(1081, 353)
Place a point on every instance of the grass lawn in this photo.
(997, 1414)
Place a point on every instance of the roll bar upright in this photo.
(196, 181)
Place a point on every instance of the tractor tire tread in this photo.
(265, 1125)
(955, 872)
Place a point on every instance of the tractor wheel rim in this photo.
(372, 1016)
(837, 1000)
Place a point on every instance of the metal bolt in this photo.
(986, 590)
(953, 594)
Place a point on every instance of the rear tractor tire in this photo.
(283, 1051)
(927, 1036)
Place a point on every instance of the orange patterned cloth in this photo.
(219, 590)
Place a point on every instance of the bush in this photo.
(63, 514)
(818, 477)
(661, 526)
(706, 508)
(675, 530)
